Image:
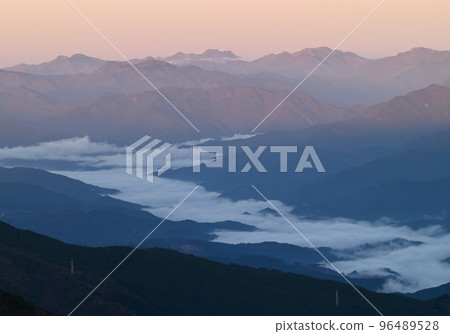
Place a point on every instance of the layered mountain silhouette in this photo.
(149, 284)
(75, 212)
(120, 77)
(216, 112)
(224, 101)
(380, 127)
(78, 213)
(344, 79)
(27, 105)
(226, 111)
(390, 123)
(210, 55)
(62, 65)
(298, 64)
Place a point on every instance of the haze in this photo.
(37, 31)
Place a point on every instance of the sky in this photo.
(36, 31)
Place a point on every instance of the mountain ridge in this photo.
(61, 65)
(134, 290)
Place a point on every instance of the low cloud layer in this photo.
(80, 150)
(418, 263)
(85, 153)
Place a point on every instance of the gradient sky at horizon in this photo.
(36, 31)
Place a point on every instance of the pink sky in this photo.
(35, 31)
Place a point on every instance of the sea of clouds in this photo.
(419, 263)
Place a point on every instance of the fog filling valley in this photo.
(419, 264)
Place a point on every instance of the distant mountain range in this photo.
(344, 79)
(363, 148)
(79, 63)
(380, 127)
(216, 112)
(210, 55)
(62, 65)
(27, 105)
(224, 111)
(418, 113)
(120, 77)
(225, 95)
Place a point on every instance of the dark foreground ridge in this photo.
(164, 282)
(12, 305)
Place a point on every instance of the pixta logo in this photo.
(143, 156)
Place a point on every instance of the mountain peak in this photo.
(215, 53)
(437, 89)
(314, 51)
(425, 107)
(75, 57)
(62, 65)
(59, 58)
(420, 51)
(80, 56)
